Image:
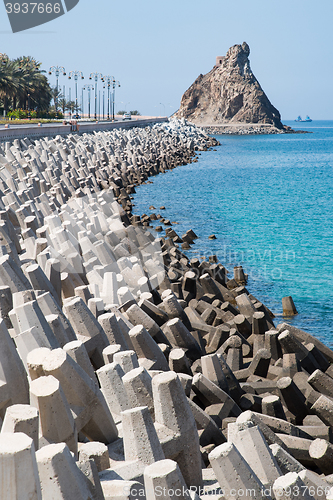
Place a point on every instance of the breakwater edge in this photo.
(267, 200)
(128, 365)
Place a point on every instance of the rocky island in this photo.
(229, 99)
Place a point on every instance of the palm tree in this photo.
(20, 79)
(9, 82)
(57, 97)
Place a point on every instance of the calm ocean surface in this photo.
(269, 201)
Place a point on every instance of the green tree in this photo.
(23, 82)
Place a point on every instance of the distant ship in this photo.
(307, 119)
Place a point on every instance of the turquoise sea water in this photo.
(268, 199)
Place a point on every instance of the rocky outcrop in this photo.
(228, 93)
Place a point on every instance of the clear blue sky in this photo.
(157, 48)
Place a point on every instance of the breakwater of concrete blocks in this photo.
(126, 369)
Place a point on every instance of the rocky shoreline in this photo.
(127, 369)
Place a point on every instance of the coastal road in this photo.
(80, 122)
(34, 130)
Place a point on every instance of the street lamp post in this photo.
(115, 83)
(57, 70)
(96, 77)
(89, 88)
(29, 115)
(76, 75)
(108, 81)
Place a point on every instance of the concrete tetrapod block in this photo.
(277, 424)
(210, 394)
(272, 344)
(117, 489)
(290, 344)
(11, 275)
(83, 292)
(110, 378)
(6, 304)
(18, 468)
(141, 446)
(173, 308)
(146, 348)
(13, 377)
(110, 288)
(256, 419)
(110, 351)
(59, 475)
(98, 452)
(321, 383)
(52, 272)
(138, 387)
(291, 487)
(32, 339)
(35, 361)
(323, 407)
(235, 476)
(78, 353)
(128, 360)
(22, 418)
(272, 406)
(29, 315)
(293, 398)
(91, 478)
(56, 324)
(234, 387)
(176, 426)
(87, 329)
(212, 369)
(165, 477)
(210, 431)
(305, 337)
(155, 312)
(316, 486)
(286, 462)
(322, 453)
(56, 420)
(138, 317)
(252, 445)
(178, 362)
(109, 323)
(299, 448)
(40, 282)
(49, 306)
(92, 415)
(179, 336)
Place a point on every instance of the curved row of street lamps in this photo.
(108, 81)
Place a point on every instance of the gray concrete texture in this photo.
(126, 367)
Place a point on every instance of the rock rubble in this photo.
(127, 369)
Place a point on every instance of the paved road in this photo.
(83, 122)
(60, 124)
